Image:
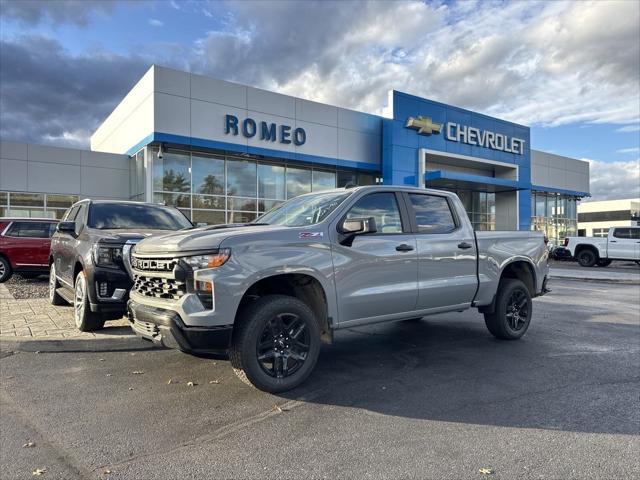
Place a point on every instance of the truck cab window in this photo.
(433, 214)
(383, 207)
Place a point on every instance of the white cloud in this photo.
(547, 63)
(614, 180)
(629, 150)
(154, 22)
(629, 128)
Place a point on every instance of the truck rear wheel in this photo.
(587, 258)
(512, 314)
(276, 343)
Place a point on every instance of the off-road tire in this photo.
(247, 332)
(587, 258)
(5, 270)
(85, 319)
(498, 322)
(54, 296)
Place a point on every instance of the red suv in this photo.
(24, 246)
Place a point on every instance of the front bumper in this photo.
(118, 285)
(166, 328)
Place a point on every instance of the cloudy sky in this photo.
(570, 70)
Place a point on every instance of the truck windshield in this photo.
(304, 210)
(130, 215)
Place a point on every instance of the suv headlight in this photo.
(211, 260)
(107, 256)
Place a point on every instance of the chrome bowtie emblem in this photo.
(424, 125)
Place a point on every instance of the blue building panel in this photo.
(462, 132)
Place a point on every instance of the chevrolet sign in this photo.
(483, 138)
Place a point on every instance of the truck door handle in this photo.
(613, 241)
(404, 248)
(464, 245)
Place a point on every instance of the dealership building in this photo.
(225, 152)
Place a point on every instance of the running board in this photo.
(65, 293)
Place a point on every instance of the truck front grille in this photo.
(159, 287)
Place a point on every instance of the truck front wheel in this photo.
(276, 342)
(587, 258)
(512, 314)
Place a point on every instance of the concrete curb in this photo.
(623, 281)
(61, 344)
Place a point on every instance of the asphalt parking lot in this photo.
(438, 398)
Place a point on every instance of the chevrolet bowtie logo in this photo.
(424, 125)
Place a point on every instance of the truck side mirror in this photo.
(358, 226)
(67, 227)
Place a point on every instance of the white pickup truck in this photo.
(622, 243)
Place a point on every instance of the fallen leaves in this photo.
(39, 472)
(170, 381)
(279, 409)
(486, 471)
(29, 445)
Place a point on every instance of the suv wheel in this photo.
(586, 258)
(512, 315)
(54, 297)
(86, 320)
(276, 343)
(5, 270)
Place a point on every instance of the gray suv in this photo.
(270, 292)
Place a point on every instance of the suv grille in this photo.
(158, 287)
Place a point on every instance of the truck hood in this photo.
(199, 239)
(123, 235)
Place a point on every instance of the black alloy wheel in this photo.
(284, 345)
(275, 343)
(512, 312)
(517, 309)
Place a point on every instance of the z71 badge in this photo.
(310, 234)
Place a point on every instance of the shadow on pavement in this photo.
(456, 372)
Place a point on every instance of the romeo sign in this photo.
(269, 132)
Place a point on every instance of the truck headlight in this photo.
(107, 256)
(202, 262)
(211, 260)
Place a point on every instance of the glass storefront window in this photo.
(210, 217)
(208, 175)
(541, 205)
(171, 173)
(244, 204)
(4, 198)
(27, 199)
(241, 178)
(298, 181)
(237, 189)
(555, 215)
(241, 217)
(209, 201)
(61, 201)
(344, 178)
(172, 199)
(323, 180)
(271, 182)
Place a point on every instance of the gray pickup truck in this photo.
(270, 292)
